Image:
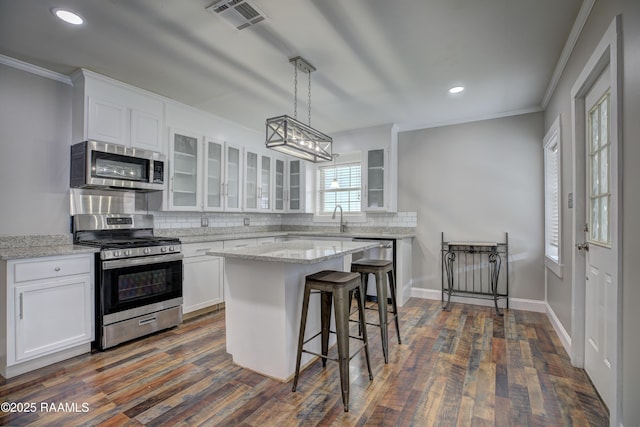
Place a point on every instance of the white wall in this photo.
(476, 181)
(35, 135)
(559, 290)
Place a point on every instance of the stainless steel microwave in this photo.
(97, 164)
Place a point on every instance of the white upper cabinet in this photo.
(204, 174)
(279, 186)
(296, 186)
(233, 178)
(110, 111)
(214, 175)
(185, 171)
(146, 130)
(288, 189)
(265, 189)
(257, 182)
(378, 149)
(374, 179)
(250, 181)
(379, 180)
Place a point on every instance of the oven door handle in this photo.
(132, 262)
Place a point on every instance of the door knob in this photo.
(583, 246)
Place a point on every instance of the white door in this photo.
(602, 239)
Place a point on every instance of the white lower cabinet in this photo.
(202, 281)
(49, 311)
(47, 319)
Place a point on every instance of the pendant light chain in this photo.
(295, 91)
(309, 98)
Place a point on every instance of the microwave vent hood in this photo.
(105, 166)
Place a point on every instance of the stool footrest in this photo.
(335, 359)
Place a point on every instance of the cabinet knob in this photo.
(57, 269)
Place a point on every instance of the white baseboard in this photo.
(41, 362)
(564, 336)
(514, 303)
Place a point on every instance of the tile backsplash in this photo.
(170, 220)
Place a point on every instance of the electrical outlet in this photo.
(204, 221)
(247, 221)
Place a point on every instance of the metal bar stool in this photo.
(337, 286)
(381, 269)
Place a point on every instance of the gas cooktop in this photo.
(122, 235)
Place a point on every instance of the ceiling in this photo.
(377, 61)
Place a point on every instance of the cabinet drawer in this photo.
(24, 271)
(198, 249)
(265, 240)
(239, 243)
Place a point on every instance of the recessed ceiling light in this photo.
(456, 89)
(68, 16)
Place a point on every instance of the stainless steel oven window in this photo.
(132, 283)
(141, 284)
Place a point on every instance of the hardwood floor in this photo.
(466, 367)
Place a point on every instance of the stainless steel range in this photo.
(138, 276)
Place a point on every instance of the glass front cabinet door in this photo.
(374, 181)
(205, 174)
(214, 175)
(264, 190)
(233, 182)
(278, 184)
(184, 171)
(296, 186)
(251, 181)
(257, 182)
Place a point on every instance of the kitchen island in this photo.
(263, 299)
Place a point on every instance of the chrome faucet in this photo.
(343, 226)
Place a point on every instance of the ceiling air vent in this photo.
(239, 13)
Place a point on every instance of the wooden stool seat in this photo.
(334, 287)
(374, 263)
(385, 278)
(332, 277)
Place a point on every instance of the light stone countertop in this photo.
(198, 238)
(304, 234)
(20, 247)
(45, 251)
(296, 251)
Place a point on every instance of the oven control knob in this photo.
(127, 252)
(146, 251)
(171, 249)
(163, 249)
(116, 254)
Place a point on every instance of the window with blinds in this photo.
(552, 194)
(340, 185)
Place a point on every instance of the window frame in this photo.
(552, 145)
(354, 216)
(597, 152)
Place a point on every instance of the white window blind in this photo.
(552, 202)
(552, 193)
(348, 192)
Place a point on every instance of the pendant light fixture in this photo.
(288, 135)
(334, 182)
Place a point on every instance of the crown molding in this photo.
(576, 30)
(34, 69)
(417, 126)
